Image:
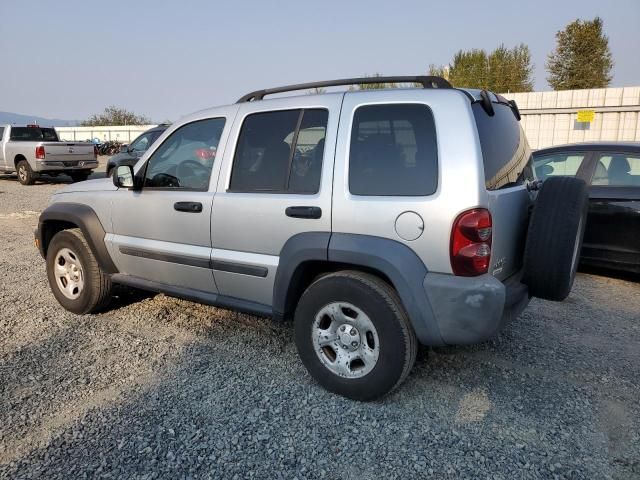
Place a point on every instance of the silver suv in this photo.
(376, 219)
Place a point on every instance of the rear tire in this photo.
(554, 240)
(25, 174)
(74, 275)
(375, 351)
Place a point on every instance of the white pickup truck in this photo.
(32, 150)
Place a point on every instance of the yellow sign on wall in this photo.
(586, 116)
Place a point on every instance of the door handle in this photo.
(303, 212)
(191, 207)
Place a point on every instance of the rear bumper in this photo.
(61, 166)
(473, 309)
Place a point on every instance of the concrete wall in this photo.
(124, 133)
(549, 118)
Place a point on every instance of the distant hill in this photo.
(8, 117)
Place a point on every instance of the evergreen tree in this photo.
(582, 58)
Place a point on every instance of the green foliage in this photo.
(375, 86)
(582, 58)
(502, 70)
(115, 116)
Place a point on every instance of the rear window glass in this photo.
(33, 134)
(505, 150)
(393, 151)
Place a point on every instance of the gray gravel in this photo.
(160, 387)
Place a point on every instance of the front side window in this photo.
(185, 159)
(393, 151)
(617, 170)
(280, 152)
(558, 165)
(141, 144)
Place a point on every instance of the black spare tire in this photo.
(554, 238)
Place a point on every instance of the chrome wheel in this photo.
(22, 173)
(345, 340)
(68, 273)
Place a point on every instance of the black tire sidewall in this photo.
(393, 346)
(553, 231)
(83, 303)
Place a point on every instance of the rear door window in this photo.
(505, 150)
(393, 151)
(564, 164)
(280, 152)
(617, 170)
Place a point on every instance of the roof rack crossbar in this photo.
(425, 81)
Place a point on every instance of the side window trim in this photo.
(287, 190)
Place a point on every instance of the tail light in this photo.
(95, 152)
(40, 152)
(471, 243)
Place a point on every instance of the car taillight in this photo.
(471, 243)
(95, 152)
(40, 152)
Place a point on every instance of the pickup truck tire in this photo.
(79, 176)
(70, 263)
(25, 174)
(554, 240)
(353, 335)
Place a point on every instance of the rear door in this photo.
(611, 234)
(275, 183)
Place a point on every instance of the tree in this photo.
(115, 116)
(502, 70)
(375, 86)
(582, 58)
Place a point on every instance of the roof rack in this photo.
(425, 81)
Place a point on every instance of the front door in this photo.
(280, 156)
(162, 232)
(611, 234)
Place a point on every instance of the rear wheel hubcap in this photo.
(345, 340)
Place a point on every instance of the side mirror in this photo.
(123, 176)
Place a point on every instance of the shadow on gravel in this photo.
(543, 400)
(61, 179)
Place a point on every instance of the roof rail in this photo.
(425, 81)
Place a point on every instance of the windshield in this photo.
(33, 134)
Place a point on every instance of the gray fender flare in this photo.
(87, 221)
(393, 259)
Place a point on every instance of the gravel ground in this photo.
(160, 387)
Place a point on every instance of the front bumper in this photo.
(61, 166)
(473, 309)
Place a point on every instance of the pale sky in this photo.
(71, 58)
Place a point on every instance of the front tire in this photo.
(353, 335)
(25, 174)
(74, 276)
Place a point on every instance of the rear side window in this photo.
(505, 150)
(280, 152)
(393, 151)
(617, 170)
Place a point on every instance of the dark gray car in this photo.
(130, 154)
